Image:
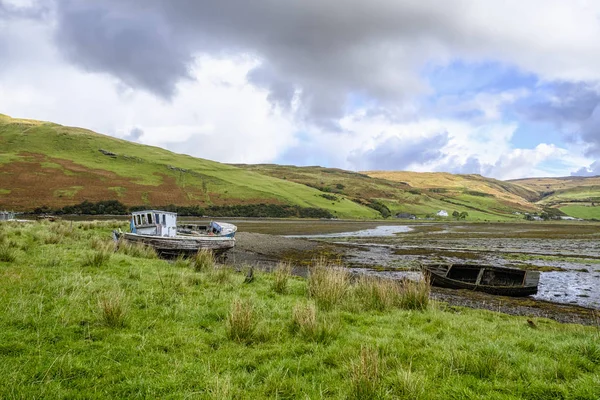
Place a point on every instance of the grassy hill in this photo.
(421, 194)
(574, 195)
(48, 164)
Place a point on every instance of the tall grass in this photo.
(415, 294)
(138, 250)
(113, 309)
(281, 276)
(365, 375)
(328, 284)
(377, 294)
(241, 321)
(97, 258)
(203, 260)
(7, 252)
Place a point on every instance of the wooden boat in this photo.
(484, 278)
(159, 229)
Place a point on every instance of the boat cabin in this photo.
(154, 222)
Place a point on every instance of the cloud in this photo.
(395, 153)
(322, 53)
(136, 46)
(592, 170)
(573, 107)
(134, 134)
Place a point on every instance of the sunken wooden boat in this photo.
(490, 279)
(159, 230)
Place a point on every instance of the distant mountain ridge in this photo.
(46, 164)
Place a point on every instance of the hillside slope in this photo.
(43, 163)
(576, 196)
(474, 192)
(422, 194)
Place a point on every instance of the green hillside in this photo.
(421, 194)
(575, 196)
(48, 164)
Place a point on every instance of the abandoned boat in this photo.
(159, 229)
(490, 279)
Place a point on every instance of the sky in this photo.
(505, 89)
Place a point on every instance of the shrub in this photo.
(241, 321)
(113, 309)
(327, 284)
(415, 294)
(365, 374)
(203, 260)
(281, 275)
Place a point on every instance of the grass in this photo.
(147, 328)
(241, 321)
(281, 276)
(328, 284)
(582, 211)
(66, 165)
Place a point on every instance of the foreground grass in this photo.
(136, 326)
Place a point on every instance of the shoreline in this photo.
(265, 251)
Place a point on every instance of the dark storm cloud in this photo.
(132, 43)
(397, 153)
(318, 51)
(573, 107)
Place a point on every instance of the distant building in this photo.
(406, 216)
(442, 213)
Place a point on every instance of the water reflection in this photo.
(384, 230)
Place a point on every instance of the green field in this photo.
(582, 211)
(82, 321)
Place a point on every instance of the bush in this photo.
(281, 275)
(327, 284)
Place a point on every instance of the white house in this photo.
(442, 213)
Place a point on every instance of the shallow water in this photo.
(380, 231)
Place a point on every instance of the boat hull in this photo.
(186, 245)
(513, 282)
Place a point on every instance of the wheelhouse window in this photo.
(164, 220)
(138, 220)
(149, 218)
